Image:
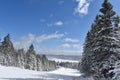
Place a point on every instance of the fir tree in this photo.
(103, 42)
(86, 62)
(99, 45)
(21, 58)
(88, 56)
(31, 62)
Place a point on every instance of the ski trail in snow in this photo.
(13, 73)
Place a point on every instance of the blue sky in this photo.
(53, 26)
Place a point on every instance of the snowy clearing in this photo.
(17, 73)
(13, 73)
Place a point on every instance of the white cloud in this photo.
(44, 37)
(72, 21)
(65, 49)
(26, 41)
(76, 46)
(70, 46)
(71, 40)
(82, 7)
(65, 46)
(58, 23)
(62, 52)
(49, 24)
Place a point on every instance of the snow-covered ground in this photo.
(13, 73)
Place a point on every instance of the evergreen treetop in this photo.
(107, 9)
(31, 50)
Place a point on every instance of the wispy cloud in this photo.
(82, 7)
(49, 24)
(25, 41)
(44, 37)
(58, 23)
(72, 21)
(76, 46)
(70, 46)
(71, 40)
(63, 52)
(65, 46)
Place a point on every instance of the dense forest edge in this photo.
(9, 56)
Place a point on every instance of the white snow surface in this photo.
(13, 73)
(66, 71)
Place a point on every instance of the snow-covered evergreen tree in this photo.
(104, 40)
(116, 33)
(21, 58)
(39, 62)
(45, 63)
(99, 54)
(86, 62)
(116, 71)
(18, 58)
(8, 51)
(31, 62)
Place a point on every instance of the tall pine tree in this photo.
(99, 46)
(31, 58)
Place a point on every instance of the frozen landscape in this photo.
(14, 73)
(59, 40)
(64, 58)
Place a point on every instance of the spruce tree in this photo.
(21, 58)
(100, 46)
(31, 62)
(88, 56)
(85, 63)
(103, 42)
(116, 49)
(116, 33)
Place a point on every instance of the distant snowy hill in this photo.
(64, 58)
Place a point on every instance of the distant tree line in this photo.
(101, 54)
(9, 56)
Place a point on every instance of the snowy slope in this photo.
(17, 73)
(66, 71)
(13, 73)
